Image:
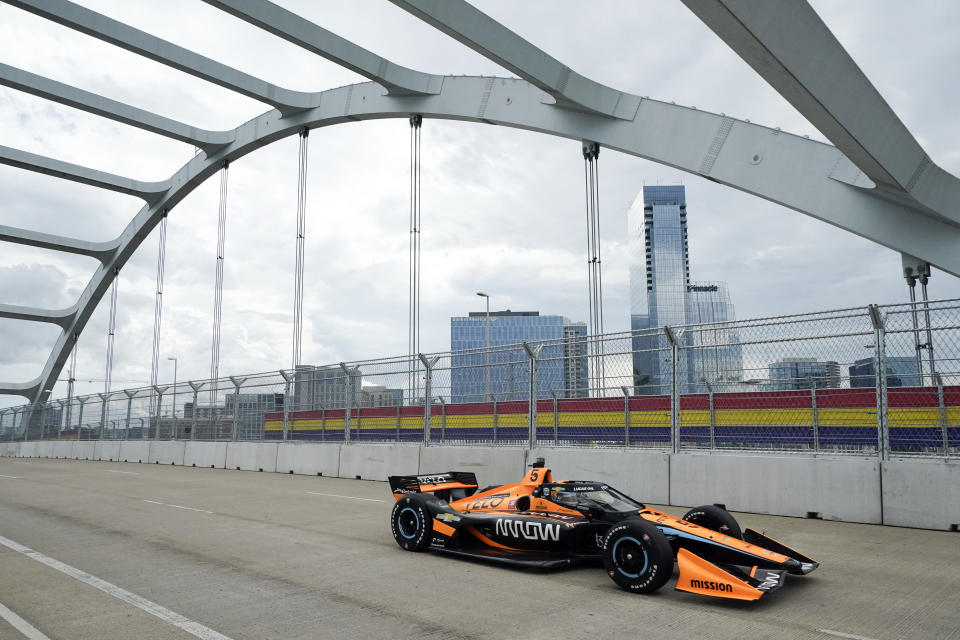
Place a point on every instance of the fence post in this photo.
(348, 400)
(883, 427)
(196, 386)
(712, 426)
(816, 416)
(287, 377)
(493, 398)
(159, 391)
(943, 414)
(129, 394)
(673, 337)
(103, 413)
(626, 415)
(533, 353)
(234, 427)
(556, 419)
(443, 419)
(428, 394)
(81, 401)
(60, 403)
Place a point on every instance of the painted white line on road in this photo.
(841, 634)
(334, 495)
(11, 477)
(129, 473)
(192, 627)
(177, 506)
(28, 630)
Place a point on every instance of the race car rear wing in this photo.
(434, 483)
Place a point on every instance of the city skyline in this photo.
(475, 180)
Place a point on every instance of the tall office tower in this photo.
(901, 372)
(661, 294)
(794, 374)
(561, 369)
(715, 357)
(326, 387)
(250, 409)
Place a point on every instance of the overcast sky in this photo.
(502, 210)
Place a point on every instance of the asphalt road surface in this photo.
(113, 550)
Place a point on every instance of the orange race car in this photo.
(541, 523)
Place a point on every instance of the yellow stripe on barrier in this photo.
(899, 417)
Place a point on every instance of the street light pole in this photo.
(487, 341)
(175, 431)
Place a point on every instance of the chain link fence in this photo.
(879, 380)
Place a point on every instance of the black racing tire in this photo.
(716, 519)
(412, 522)
(637, 556)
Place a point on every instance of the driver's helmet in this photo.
(566, 498)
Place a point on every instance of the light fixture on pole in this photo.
(487, 341)
(175, 396)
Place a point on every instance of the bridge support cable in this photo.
(158, 303)
(591, 170)
(111, 330)
(70, 382)
(299, 260)
(218, 285)
(915, 269)
(924, 277)
(414, 272)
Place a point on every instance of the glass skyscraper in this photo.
(661, 294)
(562, 366)
(794, 374)
(901, 372)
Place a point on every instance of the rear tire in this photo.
(637, 556)
(412, 523)
(716, 519)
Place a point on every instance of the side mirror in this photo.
(523, 503)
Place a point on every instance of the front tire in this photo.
(716, 519)
(412, 523)
(637, 556)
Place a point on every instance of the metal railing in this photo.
(880, 380)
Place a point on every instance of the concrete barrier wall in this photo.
(911, 493)
(205, 454)
(921, 493)
(106, 450)
(135, 450)
(493, 465)
(252, 456)
(166, 452)
(83, 450)
(44, 449)
(62, 449)
(308, 459)
(644, 475)
(833, 488)
(9, 449)
(378, 461)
